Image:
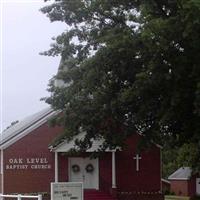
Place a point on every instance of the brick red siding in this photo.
(142, 185)
(62, 168)
(180, 187)
(192, 186)
(184, 187)
(125, 196)
(34, 144)
(105, 172)
(0, 174)
(0, 183)
(0, 160)
(148, 178)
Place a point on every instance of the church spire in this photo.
(59, 82)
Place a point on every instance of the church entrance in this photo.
(84, 170)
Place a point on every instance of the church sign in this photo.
(67, 191)
(33, 163)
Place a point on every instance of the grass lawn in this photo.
(172, 197)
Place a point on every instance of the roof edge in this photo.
(27, 130)
(179, 179)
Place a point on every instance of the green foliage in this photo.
(189, 155)
(169, 161)
(185, 156)
(128, 66)
(173, 197)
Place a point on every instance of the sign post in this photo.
(67, 191)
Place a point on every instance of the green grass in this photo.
(170, 197)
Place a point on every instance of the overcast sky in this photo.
(24, 73)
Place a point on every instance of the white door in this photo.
(84, 170)
(198, 186)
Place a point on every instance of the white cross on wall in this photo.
(137, 158)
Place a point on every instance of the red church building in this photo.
(29, 164)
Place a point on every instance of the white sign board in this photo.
(67, 191)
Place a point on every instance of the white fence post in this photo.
(19, 197)
(39, 197)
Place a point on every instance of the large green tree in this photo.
(128, 66)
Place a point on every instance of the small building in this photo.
(184, 183)
(29, 164)
(166, 186)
